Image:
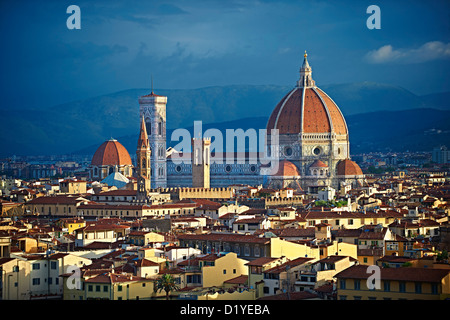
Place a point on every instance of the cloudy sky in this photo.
(193, 43)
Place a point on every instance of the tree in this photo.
(167, 283)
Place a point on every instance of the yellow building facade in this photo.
(405, 283)
(216, 271)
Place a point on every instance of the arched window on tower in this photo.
(148, 126)
(160, 126)
(143, 163)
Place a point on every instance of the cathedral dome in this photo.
(348, 167)
(318, 164)
(111, 153)
(287, 169)
(307, 109)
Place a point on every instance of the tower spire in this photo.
(143, 137)
(305, 74)
(143, 164)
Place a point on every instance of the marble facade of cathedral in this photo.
(313, 149)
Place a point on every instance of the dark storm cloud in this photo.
(189, 44)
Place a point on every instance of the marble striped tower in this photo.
(152, 109)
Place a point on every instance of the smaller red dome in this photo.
(348, 167)
(111, 153)
(287, 169)
(318, 164)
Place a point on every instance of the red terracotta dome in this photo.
(348, 167)
(287, 169)
(307, 109)
(111, 153)
(318, 164)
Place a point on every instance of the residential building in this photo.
(394, 284)
(36, 276)
(282, 278)
(216, 268)
(100, 233)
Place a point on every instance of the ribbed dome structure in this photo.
(318, 164)
(348, 167)
(307, 109)
(287, 169)
(111, 153)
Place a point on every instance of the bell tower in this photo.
(152, 109)
(201, 162)
(143, 162)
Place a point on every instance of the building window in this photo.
(316, 151)
(257, 251)
(224, 271)
(105, 288)
(36, 281)
(342, 284)
(53, 265)
(90, 288)
(36, 266)
(357, 284)
(119, 288)
(418, 287)
(434, 288)
(387, 286)
(288, 151)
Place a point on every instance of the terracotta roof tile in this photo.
(110, 153)
(348, 168)
(396, 274)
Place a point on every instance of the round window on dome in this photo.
(253, 168)
(317, 151)
(228, 168)
(288, 151)
(178, 168)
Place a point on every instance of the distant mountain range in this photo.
(379, 117)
